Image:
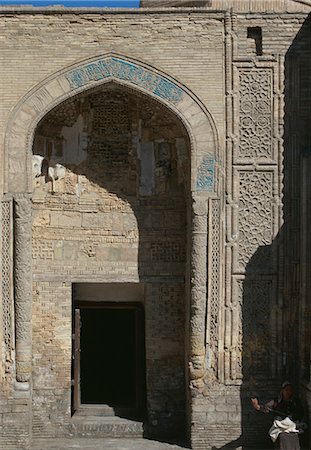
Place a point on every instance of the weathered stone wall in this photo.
(234, 63)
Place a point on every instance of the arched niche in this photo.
(89, 74)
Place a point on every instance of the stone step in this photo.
(95, 410)
(97, 426)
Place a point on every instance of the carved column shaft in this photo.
(198, 291)
(22, 285)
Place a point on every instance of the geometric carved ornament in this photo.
(255, 222)
(255, 114)
(6, 278)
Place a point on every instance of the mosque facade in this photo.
(155, 219)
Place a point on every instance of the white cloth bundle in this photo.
(282, 426)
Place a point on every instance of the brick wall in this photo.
(214, 55)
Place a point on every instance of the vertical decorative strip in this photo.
(214, 285)
(253, 205)
(6, 278)
(225, 313)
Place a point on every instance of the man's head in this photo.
(287, 390)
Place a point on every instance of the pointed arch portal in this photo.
(89, 74)
(204, 164)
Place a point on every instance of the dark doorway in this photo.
(109, 356)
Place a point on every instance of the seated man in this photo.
(287, 412)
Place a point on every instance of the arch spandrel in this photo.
(89, 74)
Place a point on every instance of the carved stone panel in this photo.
(254, 346)
(251, 333)
(251, 338)
(255, 221)
(256, 118)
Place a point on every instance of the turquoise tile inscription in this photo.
(205, 175)
(124, 70)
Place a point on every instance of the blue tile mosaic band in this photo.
(123, 70)
(205, 175)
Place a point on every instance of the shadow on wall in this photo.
(120, 161)
(273, 336)
(275, 293)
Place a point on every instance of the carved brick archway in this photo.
(94, 72)
(18, 182)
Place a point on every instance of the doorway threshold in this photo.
(92, 410)
(95, 410)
